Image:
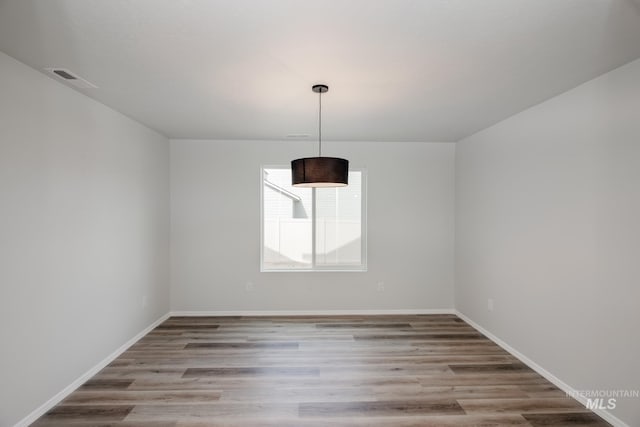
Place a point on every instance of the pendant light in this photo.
(320, 171)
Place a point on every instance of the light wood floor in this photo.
(431, 370)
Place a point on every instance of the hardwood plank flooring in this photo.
(379, 371)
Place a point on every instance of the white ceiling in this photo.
(398, 70)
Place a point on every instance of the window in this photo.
(312, 229)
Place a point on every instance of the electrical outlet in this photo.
(490, 304)
(380, 286)
(249, 286)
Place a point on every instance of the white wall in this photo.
(83, 235)
(215, 230)
(548, 214)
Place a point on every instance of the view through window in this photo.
(312, 228)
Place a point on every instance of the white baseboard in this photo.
(42, 409)
(606, 415)
(311, 312)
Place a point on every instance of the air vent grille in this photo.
(65, 75)
(70, 77)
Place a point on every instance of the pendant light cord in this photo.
(320, 124)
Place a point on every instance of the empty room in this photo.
(306, 213)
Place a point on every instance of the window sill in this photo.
(307, 270)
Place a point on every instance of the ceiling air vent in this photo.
(71, 78)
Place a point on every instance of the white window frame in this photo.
(315, 268)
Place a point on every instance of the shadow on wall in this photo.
(347, 254)
(276, 260)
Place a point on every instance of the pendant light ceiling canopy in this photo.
(320, 171)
